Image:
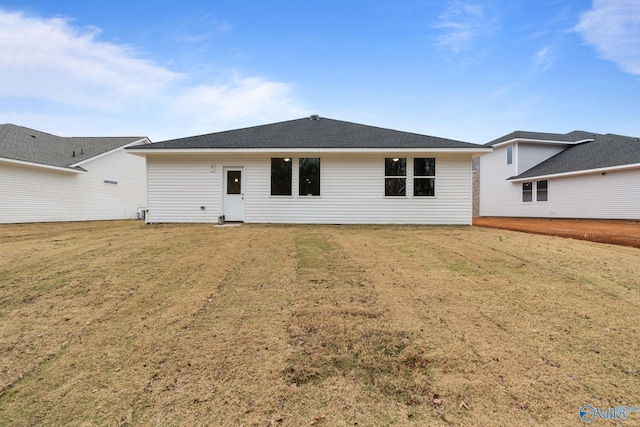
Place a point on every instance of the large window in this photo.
(527, 191)
(542, 190)
(309, 176)
(424, 176)
(281, 171)
(395, 176)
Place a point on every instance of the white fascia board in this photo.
(42, 166)
(142, 151)
(141, 141)
(580, 172)
(541, 141)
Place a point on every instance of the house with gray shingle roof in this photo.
(573, 175)
(44, 177)
(310, 170)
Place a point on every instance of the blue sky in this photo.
(467, 70)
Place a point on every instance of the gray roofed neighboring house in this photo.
(573, 175)
(313, 132)
(46, 178)
(32, 146)
(604, 151)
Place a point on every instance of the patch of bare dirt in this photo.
(616, 232)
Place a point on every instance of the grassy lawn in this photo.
(118, 323)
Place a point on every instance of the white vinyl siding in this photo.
(179, 186)
(33, 194)
(530, 155)
(615, 195)
(498, 196)
(352, 190)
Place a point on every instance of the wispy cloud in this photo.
(613, 28)
(50, 60)
(48, 66)
(460, 23)
(543, 59)
(208, 24)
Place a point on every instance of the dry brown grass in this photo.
(118, 323)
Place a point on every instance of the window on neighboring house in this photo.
(474, 164)
(424, 176)
(281, 171)
(395, 176)
(509, 154)
(309, 176)
(542, 188)
(527, 191)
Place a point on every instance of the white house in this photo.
(574, 175)
(44, 177)
(310, 170)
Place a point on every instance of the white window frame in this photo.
(414, 176)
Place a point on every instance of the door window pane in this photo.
(281, 171)
(309, 176)
(234, 182)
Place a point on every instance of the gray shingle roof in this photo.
(575, 136)
(21, 143)
(604, 151)
(321, 133)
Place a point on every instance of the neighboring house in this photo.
(44, 177)
(310, 170)
(574, 175)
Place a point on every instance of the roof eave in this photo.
(69, 169)
(461, 150)
(575, 173)
(540, 141)
(137, 142)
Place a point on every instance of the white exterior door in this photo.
(233, 198)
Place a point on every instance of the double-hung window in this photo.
(542, 188)
(395, 176)
(424, 176)
(309, 176)
(281, 172)
(527, 192)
